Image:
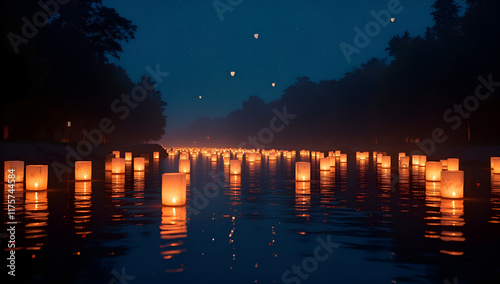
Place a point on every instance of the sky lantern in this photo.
(83, 170)
(232, 73)
(433, 171)
(273, 84)
(452, 184)
(302, 171)
(37, 177)
(235, 167)
(256, 36)
(173, 189)
(17, 166)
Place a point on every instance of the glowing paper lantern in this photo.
(251, 157)
(139, 163)
(332, 161)
(453, 164)
(173, 189)
(156, 155)
(422, 159)
(343, 158)
(83, 170)
(273, 84)
(400, 155)
(272, 155)
(302, 171)
(415, 160)
(118, 165)
(404, 162)
(117, 154)
(444, 164)
(495, 164)
(379, 158)
(183, 156)
(128, 156)
(185, 166)
(235, 167)
(386, 162)
(213, 158)
(232, 73)
(226, 161)
(452, 184)
(17, 166)
(320, 155)
(37, 177)
(433, 171)
(324, 164)
(256, 36)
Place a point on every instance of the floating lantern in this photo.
(302, 171)
(251, 157)
(139, 163)
(213, 158)
(117, 154)
(232, 73)
(320, 155)
(226, 161)
(453, 164)
(173, 189)
(400, 155)
(452, 184)
(337, 153)
(256, 36)
(495, 164)
(128, 156)
(272, 155)
(185, 166)
(332, 161)
(433, 171)
(235, 167)
(118, 165)
(404, 162)
(386, 162)
(422, 159)
(324, 164)
(273, 84)
(156, 155)
(415, 160)
(83, 170)
(183, 156)
(37, 177)
(343, 158)
(17, 166)
(444, 164)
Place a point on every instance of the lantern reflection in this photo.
(495, 198)
(235, 189)
(36, 218)
(452, 221)
(83, 203)
(173, 231)
(13, 191)
(302, 198)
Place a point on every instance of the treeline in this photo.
(58, 82)
(445, 83)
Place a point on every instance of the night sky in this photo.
(199, 48)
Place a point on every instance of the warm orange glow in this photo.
(433, 171)
(386, 162)
(37, 177)
(452, 184)
(232, 73)
(235, 167)
(453, 164)
(415, 160)
(128, 156)
(185, 166)
(404, 162)
(400, 155)
(118, 165)
(139, 163)
(173, 189)
(273, 84)
(83, 170)
(256, 36)
(422, 159)
(226, 161)
(156, 155)
(324, 164)
(343, 158)
(18, 167)
(302, 171)
(117, 154)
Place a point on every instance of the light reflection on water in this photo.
(390, 223)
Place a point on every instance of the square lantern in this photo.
(235, 167)
(452, 184)
(183, 156)
(185, 166)
(272, 155)
(415, 160)
(379, 158)
(343, 158)
(83, 170)
(422, 159)
(128, 156)
(453, 164)
(156, 155)
(116, 154)
(495, 164)
(17, 166)
(226, 161)
(302, 171)
(433, 171)
(139, 164)
(386, 162)
(404, 162)
(37, 177)
(324, 164)
(173, 189)
(400, 155)
(332, 161)
(213, 158)
(118, 165)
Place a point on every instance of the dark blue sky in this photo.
(188, 39)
